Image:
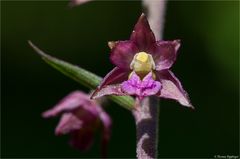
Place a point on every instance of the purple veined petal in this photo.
(82, 139)
(141, 88)
(172, 88)
(151, 86)
(132, 86)
(122, 54)
(142, 34)
(69, 103)
(117, 75)
(165, 53)
(68, 123)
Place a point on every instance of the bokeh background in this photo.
(208, 66)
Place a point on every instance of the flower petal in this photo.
(142, 34)
(82, 139)
(114, 89)
(117, 75)
(74, 3)
(68, 123)
(81, 117)
(151, 87)
(165, 53)
(69, 103)
(122, 54)
(106, 120)
(132, 85)
(172, 88)
(106, 134)
(141, 88)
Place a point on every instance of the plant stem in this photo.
(147, 111)
(155, 11)
(146, 117)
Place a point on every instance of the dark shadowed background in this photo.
(208, 66)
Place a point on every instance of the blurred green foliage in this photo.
(208, 66)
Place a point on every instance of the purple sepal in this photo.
(114, 89)
(172, 88)
(165, 53)
(69, 103)
(142, 34)
(109, 84)
(122, 54)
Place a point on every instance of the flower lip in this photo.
(141, 88)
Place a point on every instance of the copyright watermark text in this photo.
(226, 156)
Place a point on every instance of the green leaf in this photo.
(82, 76)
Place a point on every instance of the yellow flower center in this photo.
(142, 64)
(142, 57)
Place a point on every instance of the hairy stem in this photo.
(146, 117)
(155, 10)
(147, 111)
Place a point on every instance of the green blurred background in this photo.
(208, 66)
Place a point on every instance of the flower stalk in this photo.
(146, 118)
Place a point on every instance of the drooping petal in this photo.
(87, 113)
(80, 118)
(117, 75)
(106, 122)
(122, 54)
(142, 34)
(141, 88)
(69, 103)
(82, 139)
(165, 53)
(68, 123)
(172, 88)
(106, 134)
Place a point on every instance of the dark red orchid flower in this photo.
(143, 67)
(80, 118)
